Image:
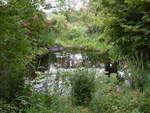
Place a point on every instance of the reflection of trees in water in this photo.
(69, 59)
(73, 60)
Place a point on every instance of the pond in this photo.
(58, 65)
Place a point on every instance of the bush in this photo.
(82, 83)
(110, 98)
(77, 31)
(145, 105)
(57, 23)
(11, 84)
(18, 105)
(39, 103)
(42, 103)
(139, 74)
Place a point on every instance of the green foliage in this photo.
(82, 84)
(11, 84)
(56, 99)
(79, 84)
(110, 98)
(76, 31)
(83, 29)
(88, 95)
(100, 95)
(57, 24)
(125, 23)
(54, 104)
(120, 26)
(39, 103)
(145, 106)
(139, 74)
(18, 105)
(23, 30)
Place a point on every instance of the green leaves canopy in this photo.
(23, 31)
(126, 24)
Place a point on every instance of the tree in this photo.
(23, 31)
(125, 25)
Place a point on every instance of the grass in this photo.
(104, 99)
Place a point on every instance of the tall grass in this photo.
(86, 94)
(83, 87)
(139, 74)
(108, 99)
(69, 91)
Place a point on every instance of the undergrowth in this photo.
(88, 94)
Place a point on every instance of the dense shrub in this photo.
(22, 34)
(77, 31)
(42, 103)
(145, 105)
(18, 105)
(57, 24)
(82, 83)
(88, 95)
(110, 98)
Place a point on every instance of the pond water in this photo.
(60, 63)
(59, 66)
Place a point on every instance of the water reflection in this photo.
(62, 63)
(74, 60)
